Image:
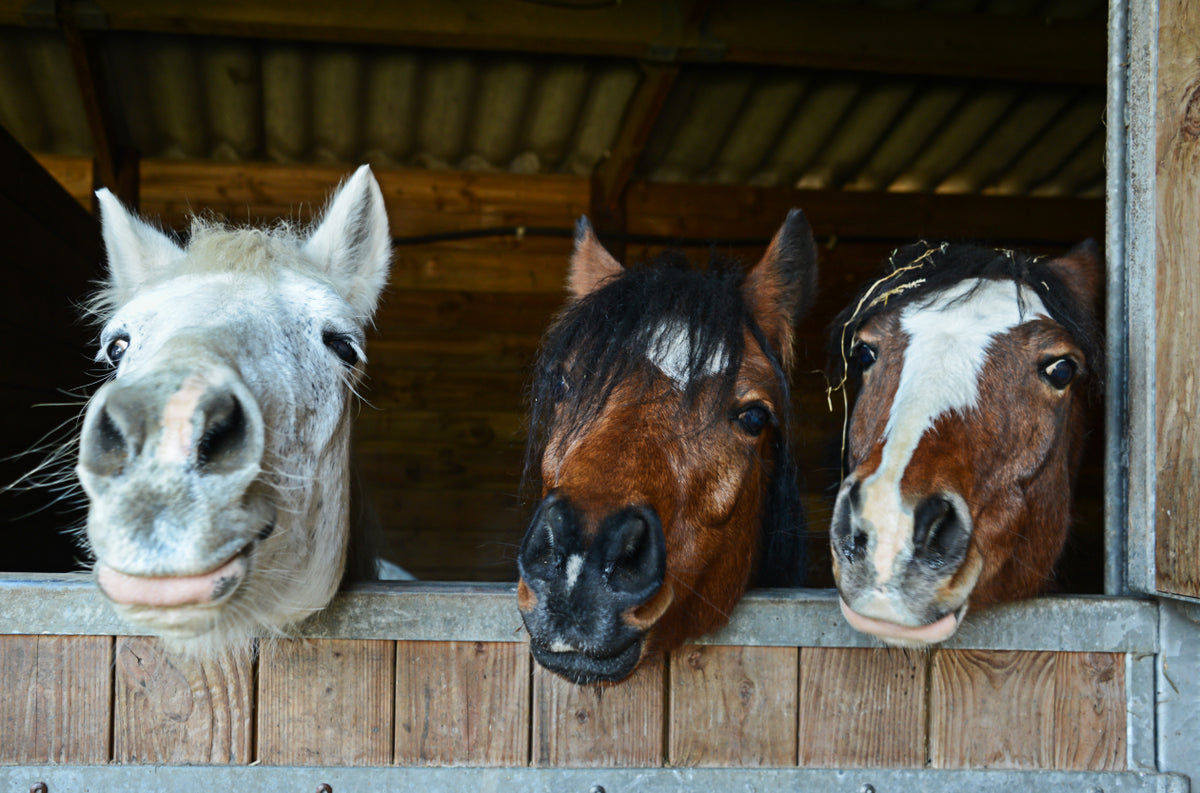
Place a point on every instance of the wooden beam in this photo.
(774, 32)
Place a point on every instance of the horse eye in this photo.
(342, 346)
(116, 348)
(1059, 372)
(754, 419)
(863, 355)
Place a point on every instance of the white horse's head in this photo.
(216, 459)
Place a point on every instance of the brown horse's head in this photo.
(965, 436)
(659, 422)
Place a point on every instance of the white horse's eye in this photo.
(343, 347)
(116, 348)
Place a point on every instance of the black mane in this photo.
(917, 272)
(603, 339)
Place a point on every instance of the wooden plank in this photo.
(58, 694)
(462, 703)
(1177, 500)
(611, 176)
(620, 725)
(733, 706)
(325, 702)
(862, 708)
(1089, 711)
(178, 710)
(992, 709)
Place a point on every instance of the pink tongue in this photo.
(925, 634)
(166, 591)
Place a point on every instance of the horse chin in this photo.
(907, 636)
(583, 669)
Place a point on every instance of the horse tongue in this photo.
(168, 591)
(891, 632)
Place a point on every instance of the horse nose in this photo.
(941, 532)
(547, 541)
(635, 559)
(849, 540)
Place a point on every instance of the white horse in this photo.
(216, 460)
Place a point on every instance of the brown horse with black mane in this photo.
(659, 420)
(966, 434)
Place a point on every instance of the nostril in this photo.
(940, 533)
(103, 450)
(855, 547)
(635, 557)
(544, 547)
(223, 444)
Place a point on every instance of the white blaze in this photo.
(672, 348)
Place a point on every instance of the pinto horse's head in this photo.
(965, 435)
(659, 421)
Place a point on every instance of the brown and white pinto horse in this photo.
(966, 433)
(659, 420)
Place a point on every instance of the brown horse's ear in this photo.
(591, 265)
(780, 289)
(1082, 272)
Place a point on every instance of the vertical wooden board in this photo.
(174, 709)
(992, 709)
(1177, 539)
(619, 725)
(733, 706)
(57, 699)
(325, 702)
(862, 707)
(462, 703)
(1089, 712)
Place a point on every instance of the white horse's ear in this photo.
(352, 242)
(136, 250)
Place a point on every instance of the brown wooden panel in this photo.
(1177, 500)
(325, 702)
(619, 725)
(57, 698)
(733, 706)
(462, 703)
(992, 709)
(175, 709)
(862, 708)
(1089, 711)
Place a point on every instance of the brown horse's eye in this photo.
(754, 419)
(1059, 372)
(862, 355)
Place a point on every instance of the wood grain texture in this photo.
(732, 706)
(174, 709)
(992, 709)
(620, 725)
(862, 708)
(57, 699)
(325, 702)
(462, 703)
(1089, 712)
(1177, 394)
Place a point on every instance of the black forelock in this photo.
(917, 272)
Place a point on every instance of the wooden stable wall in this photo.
(440, 443)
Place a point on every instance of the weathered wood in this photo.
(1177, 500)
(732, 706)
(992, 709)
(174, 709)
(325, 702)
(595, 726)
(1089, 712)
(57, 699)
(462, 703)
(862, 708)
(612, 174)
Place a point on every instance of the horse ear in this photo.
(779, 289)
(1081, 271)
(591, 264)
(352, 242)
(136, 250)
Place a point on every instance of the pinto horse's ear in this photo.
(1082, 272)
(591, 265)
(352, 242)
(137, 251)
(780, 289)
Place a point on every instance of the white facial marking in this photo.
(948, 340)
(574, 565)
(670, 352)
(561, 647)
(176, 444)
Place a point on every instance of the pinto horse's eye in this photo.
(863, 355)
(116, 348)
(754, 419)
(342, 346)
(1059, 372)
